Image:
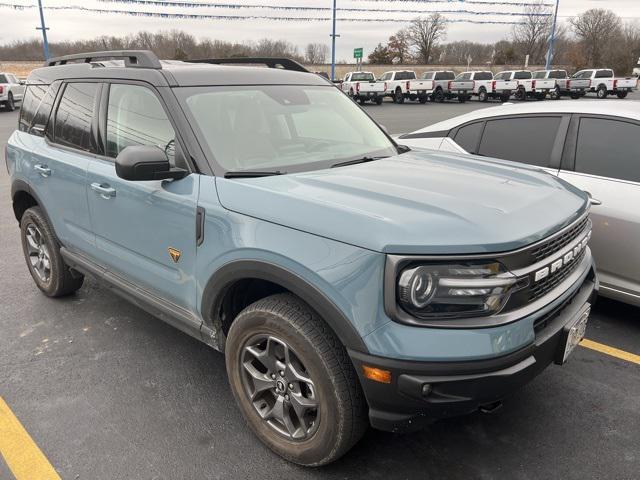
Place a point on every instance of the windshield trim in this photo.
(183, 92)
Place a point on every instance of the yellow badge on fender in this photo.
(174, 254)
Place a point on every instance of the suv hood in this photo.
(416, 203)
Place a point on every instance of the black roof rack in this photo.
(132, 58)
(283, 63)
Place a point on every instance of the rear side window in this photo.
(43, 112)
(617, 157)
(583, 74)
(32, 98)
(521, 139)
(135, 117)
(74, 116)
(604, 74)
(468, 136)
(483, 76)
(445, 76)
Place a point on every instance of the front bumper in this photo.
(420, 392)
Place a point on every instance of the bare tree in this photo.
(399, 46)
(530, 36)
(316, 53)
(595, 28)
(425, 33)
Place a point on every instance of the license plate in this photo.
(574, 332)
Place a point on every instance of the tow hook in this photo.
(490, 407)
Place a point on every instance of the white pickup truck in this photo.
(362, 86)
(11, 91)
(527, 86)
(441, 82)
(483, 85)
(604, 82)
(573, 87)
(403, 85)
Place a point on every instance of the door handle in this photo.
(105, 190)
(43, 170)
(593, 201)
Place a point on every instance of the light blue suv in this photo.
(348, 280)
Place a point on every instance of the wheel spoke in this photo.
(261, 381)
(301, 405)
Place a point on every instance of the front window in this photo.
(282, 128)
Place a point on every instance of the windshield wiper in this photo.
(252, 174)
(357, 160)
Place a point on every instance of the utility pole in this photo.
(333, 43)
(552, 39)
(44, 29)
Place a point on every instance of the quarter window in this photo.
(617, 157)
(468, 136)
(135, 117)
(74, 116)
(32, 98)
(521, 139)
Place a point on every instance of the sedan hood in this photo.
(415, 203)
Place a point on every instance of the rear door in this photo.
(145, 231)
(603, 157)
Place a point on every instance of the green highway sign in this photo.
(357, 53)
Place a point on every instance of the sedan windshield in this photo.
(282, 128)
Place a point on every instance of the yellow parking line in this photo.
(21, 454)
(614, 352)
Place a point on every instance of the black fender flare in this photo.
(233, 271)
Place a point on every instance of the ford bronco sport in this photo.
(347, 280)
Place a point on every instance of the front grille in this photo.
(556, 244)
(542, 322)
(540, 288)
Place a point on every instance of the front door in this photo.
(145, 231)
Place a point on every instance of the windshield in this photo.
(362, 77)
(282, 127)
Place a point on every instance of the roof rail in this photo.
(132, 58)
(283, 63)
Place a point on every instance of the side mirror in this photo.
(146, 162)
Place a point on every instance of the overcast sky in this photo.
(68, 24)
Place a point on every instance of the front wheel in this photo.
(42, 254)
(622, 94)
(294, 382)
(602, 92)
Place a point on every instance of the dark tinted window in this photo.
(445, 76)
(362, 77)
(405, 76)
(43, 113)
(521, 139)
(542, 74)
(3, 79)
(617, 157)
(483, 76)
(32, 98)
(522, 75)
(74, 116)
(558, 74)
(467, 137)
(136, 117)
(604, 74)
(427, 75)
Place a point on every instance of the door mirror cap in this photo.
(146, 162)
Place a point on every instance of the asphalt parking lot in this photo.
(108, 392)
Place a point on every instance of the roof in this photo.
(177, 73)
(615, 107)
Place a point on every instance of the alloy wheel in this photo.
(38, 252)
(279, 387)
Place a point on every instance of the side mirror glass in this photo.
(146, 162)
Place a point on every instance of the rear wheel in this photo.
(541, 96)
(438, 96)
(462, 98)
(294, 382)
(42, 253)
(575, 95)
(379, 101)
(602, 92)
(555, 93)
(10, 104)
(399, 97)
(504, 97)
(362, 101)
(483, 96)
(423, 99)
(622, 94)
(521, 95)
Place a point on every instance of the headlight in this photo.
(454, 290)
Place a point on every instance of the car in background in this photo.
(362, 86)
(483, 85)
(526, 85)
(604, 82)
(565, 85)
(403, 85)
(593, 145)
(11, 91)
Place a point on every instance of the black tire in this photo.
(438, 96)
(555, 94)
(362, 101)
(622, 94)
(483, 96)
(60, 281)
(504, 97)
(462, 98)
(286, 323)
(399, 96)
(521, 95)
(379, 100)
(540, 96)
(602, 92)
(575, 95)
(423, 99)
(10, 104)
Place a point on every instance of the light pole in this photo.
(333, 42)
(43, 27)
(552, 39)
